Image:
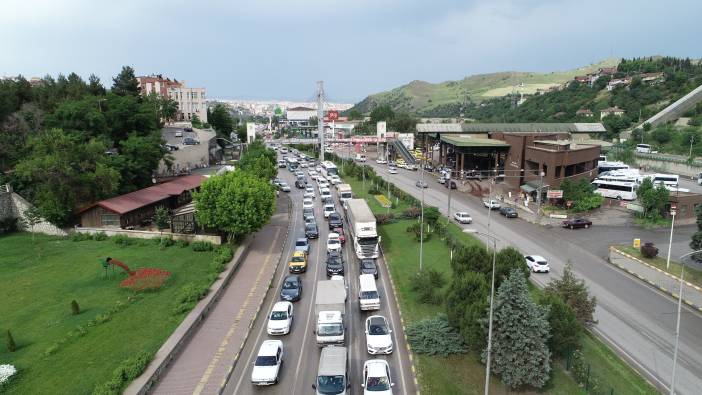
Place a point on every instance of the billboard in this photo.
(381, 129)
(332, 115)
(250, 132)
(554, 194)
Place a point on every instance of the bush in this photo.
(126, 371)
(428, 285)
(77, 236)
(100, 236)
(75, 309)
(8, 225)
(10, 344)
(412, 212)
(182, 243)
(373, 191)
(164, 242)
(201, 246)
(649, 250)
(581, 372)
(383, 219)
(123, 241)
(189, 295)
(435, 336)
(417, 230)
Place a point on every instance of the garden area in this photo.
(79, 325)
(580, 363)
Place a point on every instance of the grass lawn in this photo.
(39, 279)
(691, 275)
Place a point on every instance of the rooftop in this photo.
(467, 141)
(572, 146)
(591, 127)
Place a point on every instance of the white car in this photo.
(307, 203)
(463, 217)
(313, 174)
(308, 195)
(335, 180)
(319, 169)
(280, 319)
(491, 204)
(392, 170)
(333, 242)
(537, 263)
(376, 378)
(267, 364)
(303, 165)
(328, 209)
(324, 192)
(381, 161)
(378, 335)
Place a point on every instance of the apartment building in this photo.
(191, 101)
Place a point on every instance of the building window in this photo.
(109, 220)
(558, 171)
(545, 170)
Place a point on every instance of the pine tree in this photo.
(10, 342)
(125, 83)
(573, 291)
(520, 354)
(75, 308)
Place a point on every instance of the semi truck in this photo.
(363, 229)
(330, 308)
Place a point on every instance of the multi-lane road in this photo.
(636, 320)
(301, 353)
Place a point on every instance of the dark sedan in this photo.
(577, 223)
(292, 289)
(421, 184)
(299, 184)
(311, 231)
(335, 264)
(369, 266)
(335, 220)
(509, 212)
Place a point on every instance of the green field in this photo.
(39, 279)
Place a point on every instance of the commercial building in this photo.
(191, 101)
(300, 116)
(528, 155)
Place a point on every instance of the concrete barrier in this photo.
(147, 234)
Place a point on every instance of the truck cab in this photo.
(330, 328)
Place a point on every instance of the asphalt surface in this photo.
(301, 353)
(636, 320)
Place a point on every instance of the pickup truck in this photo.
(491, 204)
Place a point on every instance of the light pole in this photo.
(677, 324)
(492, 300)
(421, 221)
(670, 241)
(448, 208)
(538, 196)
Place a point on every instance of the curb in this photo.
(234, 362)
(402, 322)
(651, 283)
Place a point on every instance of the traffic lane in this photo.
(653, 349)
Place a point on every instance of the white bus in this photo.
(643, 148)
(669, 180)
(292, 163)
(620, 190)
(329, 169)
(609, 166)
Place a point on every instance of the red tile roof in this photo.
(144, 197)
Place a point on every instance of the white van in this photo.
(368, 297)
(332, 375)
(643, 148)
(360, 158)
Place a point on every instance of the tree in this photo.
(354, 115)
(125, 83)
(466, 299)
(32, 218)
(161, 218)
(520, 353)
(696, 242)
(581, 194)
(10, 342)
(138, 159)
(507, 260)
(221, 120)
(237, 203)
(431, 215)
(652, 198)
(95, 87)
(259, 166)
(471, 258)
(195, 121)
(382, 113)
(75, 308)
(313, 121)
(574, 293)
(565, 327)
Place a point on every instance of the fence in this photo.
(588, 375)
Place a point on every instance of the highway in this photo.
(301, 353)
(636, 320)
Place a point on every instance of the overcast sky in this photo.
(278, 48)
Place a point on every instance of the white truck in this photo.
(330, 308)
(344, 192)
(363, 229)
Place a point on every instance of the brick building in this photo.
(191, 101)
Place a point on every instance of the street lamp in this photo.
(677, 324)
(421, 221)
(670, 241)
(492, 299)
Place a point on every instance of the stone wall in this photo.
(143, 234)
(13, 205)
(668, 165)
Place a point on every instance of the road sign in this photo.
(332, 115)
(554, 194)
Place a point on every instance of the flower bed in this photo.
(383, 200)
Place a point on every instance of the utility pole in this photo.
(320, 118)
(692, 141)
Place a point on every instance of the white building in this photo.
(191, 101)
(300, 116)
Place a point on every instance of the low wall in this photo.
(145, 234)
(669, 165)
(13, 205)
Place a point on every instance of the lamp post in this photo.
(538, 196)
(492, 300)
(421, 221)
(677, 324)
(670, 241)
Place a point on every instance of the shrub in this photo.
(434, 336)
(8, 225)
(75, 308)
(412, 212)
(383, 219)
(123, 241)
(649, 250)
(189, 295)
(126, 371)
(580, 370)
(164, 242)
(201, 246)
(77, 236)
(417, 230)
(373, 191)
(145, 279)
(10, 342)
(100, 236)
(428, 285)
(182, 243)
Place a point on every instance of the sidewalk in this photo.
(692, 294)
(207, 359)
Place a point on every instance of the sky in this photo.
(278, 49)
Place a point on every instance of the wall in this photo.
(14, 205)
(143, 234)
(669, 165)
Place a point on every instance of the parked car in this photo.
(292, 289)
(463, 217)
(335, 263)
(302, 244)
(509, 212)
(369, 266)
(335, 220)
(491, 204)
(267, 364)
(311, 231)
(537, 264)
(428, 167)
(577, 223)
(376, 378)
(421, 184)
(381, 161)
(280, 319)
(378, 335)
(171, 147)
(190, 141)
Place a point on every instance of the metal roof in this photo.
(594, 127)
(332, 362)
(467, 141)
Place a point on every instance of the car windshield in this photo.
(301, 243)
(334, 261)
(290, 284)
(330, 385)
(369, 295)
(378, 384)
(279, 315)
(330, 330)
(311, 227)
(378, 327)
(333, 241)
(368, 240)
(334, 217)
(368, 264)
(298, 259)
(265, 360)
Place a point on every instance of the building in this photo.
(607, 71)
(191, 101)
(611, 85)
(616, 111)
(584, 112)
(300, 116)
(137, 208)
(652, 78)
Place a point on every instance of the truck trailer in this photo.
(363, 229)
(330, 308)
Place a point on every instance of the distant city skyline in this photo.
(279, 48)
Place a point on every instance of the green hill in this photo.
(424, 98)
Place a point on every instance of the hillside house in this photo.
(584, 112)
(618, 82)
(652, 78)
(616, 111)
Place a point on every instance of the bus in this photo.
(643, 148)
(669, 180)
(329, 169)
(620, 190)
(609, 166)
(291, 163)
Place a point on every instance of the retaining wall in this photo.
(145, 234)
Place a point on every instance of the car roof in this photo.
(537, 258)
(281, 306)
(332, 362)
(270, 347)
(376, 368)
(298, 253)
(303, 239)
(462, 213)
(375, 318)
(333, 235)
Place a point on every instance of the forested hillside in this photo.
(65, 142)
